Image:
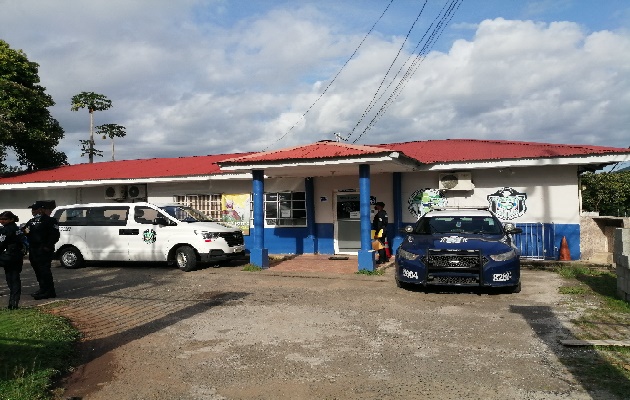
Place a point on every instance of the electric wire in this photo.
(444, 18)
(376, 96)
(335, 77)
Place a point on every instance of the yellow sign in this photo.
(235, 210)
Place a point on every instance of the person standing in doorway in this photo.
(11, 255)
(379, 226)
(42, 233)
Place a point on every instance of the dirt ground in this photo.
(223, 333)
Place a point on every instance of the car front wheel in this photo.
(186, 258)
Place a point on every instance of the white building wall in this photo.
(552, 191)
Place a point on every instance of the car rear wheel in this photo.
(71, 258)
(515, 289)
(186, 258)
(402, 285)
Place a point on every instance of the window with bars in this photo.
(209, 204)
(284, 209)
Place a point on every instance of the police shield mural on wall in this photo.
(507, 203)
(423, 200)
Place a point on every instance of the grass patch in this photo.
(35, 349)
(574, 290)
(251, 268)
(378, 271)
(606, 317)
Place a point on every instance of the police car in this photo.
(459, 247)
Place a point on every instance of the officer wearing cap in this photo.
(379, 225)
(42, 233)
(11, 256)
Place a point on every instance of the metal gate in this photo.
(537, 241)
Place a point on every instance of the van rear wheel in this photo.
(186, 258)
(71, 258)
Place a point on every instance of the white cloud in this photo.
(185, 80)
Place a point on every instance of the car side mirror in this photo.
(161, 221)
(511, 228)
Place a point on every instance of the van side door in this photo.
(150, 242)
(107, 233)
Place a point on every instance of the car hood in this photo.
(490, 244)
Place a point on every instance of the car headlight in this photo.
(208, 236)
(504, 256)
(404, 254)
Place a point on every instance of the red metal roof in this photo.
(458, 150)
(426, 152)
(322, 149)
(124, 169)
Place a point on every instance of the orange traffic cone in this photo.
(387, 252)
(565, 254)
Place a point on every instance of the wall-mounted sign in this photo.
(355, 214)
(423, 200)
(347, 190)
(507, 203)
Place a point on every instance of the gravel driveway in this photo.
(153, 332)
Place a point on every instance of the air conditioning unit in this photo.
(137, 191)
(456, 181)
(116, 192)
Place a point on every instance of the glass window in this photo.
(284, 209)
(209, 204)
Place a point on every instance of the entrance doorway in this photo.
(347, 223)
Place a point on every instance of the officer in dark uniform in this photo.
(42, 233)
(11, 255)
(379, 226)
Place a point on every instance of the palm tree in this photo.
(93, 102)
(111, 130)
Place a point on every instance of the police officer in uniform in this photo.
(379, 225)
(11, 255)
(42, 233)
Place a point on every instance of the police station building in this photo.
(317, 198)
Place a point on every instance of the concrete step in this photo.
(601, 257)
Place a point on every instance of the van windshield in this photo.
(186, 214)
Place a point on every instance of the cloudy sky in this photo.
(196, 77)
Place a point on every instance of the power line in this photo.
(374, 98)
(444, 17)
(335, 77)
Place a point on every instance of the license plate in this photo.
(455, 280)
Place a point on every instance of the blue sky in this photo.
(196, 77)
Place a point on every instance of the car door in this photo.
(147, 242)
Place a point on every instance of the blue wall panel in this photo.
(296, 240)
(572, 233)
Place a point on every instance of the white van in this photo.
(143, 232)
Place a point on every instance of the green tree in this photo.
(607, 193)
(111, 131)
(26, 125)
(93, 102)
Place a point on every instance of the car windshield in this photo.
(461, 224)
(186, 214)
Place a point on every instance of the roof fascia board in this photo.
(313, 162)
(69, 184)
(533, 162)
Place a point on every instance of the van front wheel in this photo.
(71, 258)
(186, 258)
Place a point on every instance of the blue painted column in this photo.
(259, 255)
(310, 244)
(396, 236)
(366, 254)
